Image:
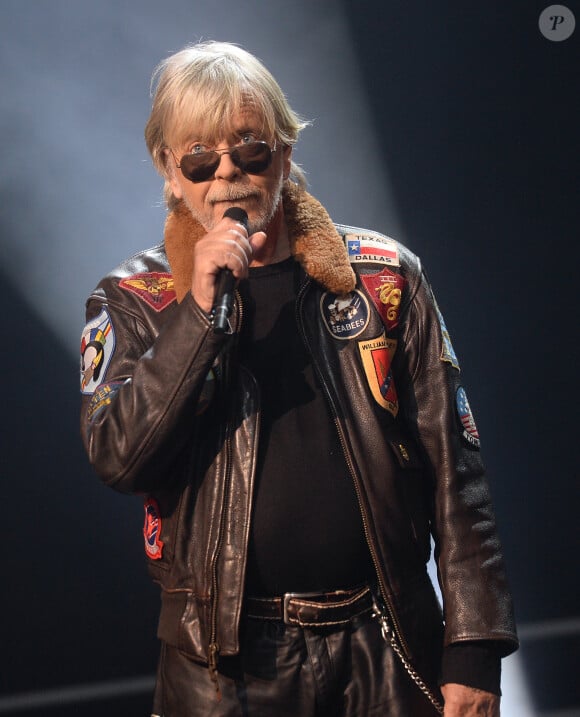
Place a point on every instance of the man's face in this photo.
(258, 194)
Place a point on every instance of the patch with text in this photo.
(377, 356)
(365, 249)
(101, 398)
(345, 316)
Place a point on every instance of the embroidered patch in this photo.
(155, 288)
(447, 351)
(469, 429)
(345, 316)
(102, 397)
(385, 289)
(365, 249)
(377, 356)
(152, 530)
(97, 346)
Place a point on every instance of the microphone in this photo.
(224, 295)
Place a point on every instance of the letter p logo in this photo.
(557, 23)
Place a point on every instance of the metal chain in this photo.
(389, 636)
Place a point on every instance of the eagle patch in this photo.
(156, 289)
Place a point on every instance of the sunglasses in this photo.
(253, 158)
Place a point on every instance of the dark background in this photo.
(467, 118)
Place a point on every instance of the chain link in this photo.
(389, 636)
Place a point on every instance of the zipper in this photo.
(214, 648)
(353, 472)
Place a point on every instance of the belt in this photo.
(312, 609)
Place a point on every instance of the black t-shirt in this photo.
(306, 533)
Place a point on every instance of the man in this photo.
(295, 459)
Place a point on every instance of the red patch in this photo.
(152, 530)
(385, 289)
(155, 288)
(377, 355)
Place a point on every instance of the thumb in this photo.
(257, 241)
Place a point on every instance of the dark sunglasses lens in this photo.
(199, 167)
(253, 158)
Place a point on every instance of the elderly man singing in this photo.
(282, 393)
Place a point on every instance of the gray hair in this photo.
(202, 87)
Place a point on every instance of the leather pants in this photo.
(290, 671)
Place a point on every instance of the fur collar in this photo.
(314, 242)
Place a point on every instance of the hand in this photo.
(227, 245)
(462, 701)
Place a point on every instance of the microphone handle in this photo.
(224, 295)
(224, 301)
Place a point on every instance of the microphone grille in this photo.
(237, 214)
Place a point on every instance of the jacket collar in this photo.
(314, 242)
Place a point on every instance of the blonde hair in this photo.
(201, 88)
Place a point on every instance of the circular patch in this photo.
(468, 427)
(345, 316)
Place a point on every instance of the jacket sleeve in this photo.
(138, 415)
(476, 599)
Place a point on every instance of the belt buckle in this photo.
(285, 604)
(287, 597)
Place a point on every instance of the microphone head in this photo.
(237, 214)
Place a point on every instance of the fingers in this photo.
(257, 242)
(236, 252)
(226, 246)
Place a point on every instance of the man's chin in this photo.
(219, 208)
(259, 216)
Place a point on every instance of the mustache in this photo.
(232, 195)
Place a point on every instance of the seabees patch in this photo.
(377, 356)
(97, 347)
(157, 289)
(345, 316)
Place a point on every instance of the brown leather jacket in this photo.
(168, 413)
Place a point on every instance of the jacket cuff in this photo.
(473, 664)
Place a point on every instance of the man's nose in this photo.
(226, 168)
